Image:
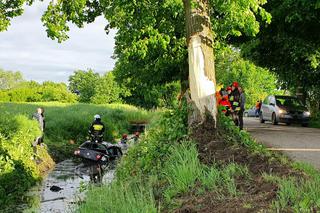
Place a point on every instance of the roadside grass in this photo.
(296, 193)
(315, 121)
(167, 160)
(221, 179)
(134, 196)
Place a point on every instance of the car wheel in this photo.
(274, 119)
(304, 124)
(261, 118)
(288, 124)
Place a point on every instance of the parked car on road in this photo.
(285, 109)
(250, 112)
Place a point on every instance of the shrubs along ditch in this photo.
(20, 167)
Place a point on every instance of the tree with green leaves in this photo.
(257, 82)
(156, 35)
(290, 46)
(84, 83)
(107, 90)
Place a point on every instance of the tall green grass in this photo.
(182, 169)
(163, 166)
(67, 124)
(134, 196)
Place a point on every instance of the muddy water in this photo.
(64, 187)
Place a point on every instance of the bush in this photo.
(18, 167)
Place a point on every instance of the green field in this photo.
(66, 128)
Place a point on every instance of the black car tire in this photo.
(274, 119)
(261, 118)
(304, 124)
(288, 124)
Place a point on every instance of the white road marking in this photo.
(294, 149)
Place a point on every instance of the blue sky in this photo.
(25, 47)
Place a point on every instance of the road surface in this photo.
(299, 143)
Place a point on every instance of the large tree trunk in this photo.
(201, 60)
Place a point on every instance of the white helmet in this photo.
(97, 117)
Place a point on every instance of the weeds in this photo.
(134, 196)
(182, 169)
(221, 179)
(297, 193)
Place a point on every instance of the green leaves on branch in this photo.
(10, 9)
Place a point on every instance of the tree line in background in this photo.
(14, 88)
(90, 87)
(86, 87)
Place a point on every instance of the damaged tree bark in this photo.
(201, 61)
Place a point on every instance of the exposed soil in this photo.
(256, 193)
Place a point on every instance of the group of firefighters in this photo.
(232, 101)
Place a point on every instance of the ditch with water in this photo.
(64, 187)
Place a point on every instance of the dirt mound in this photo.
(256, 194)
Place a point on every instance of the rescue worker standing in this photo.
(242, 107)
(234, 98)
(39, 116)
(96, 129)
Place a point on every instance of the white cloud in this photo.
(25, 47)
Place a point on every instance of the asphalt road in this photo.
(299, 143)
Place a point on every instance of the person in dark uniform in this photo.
(234, 98)
(96, 129)
(242, 107)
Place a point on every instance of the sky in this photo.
(25, 47)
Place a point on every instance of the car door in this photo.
(272, 106)
(265, 108)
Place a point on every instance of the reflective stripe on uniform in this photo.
(97, 127)
(235, 103)
(231, 98)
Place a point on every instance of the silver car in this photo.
(250, 112)
(284, 109)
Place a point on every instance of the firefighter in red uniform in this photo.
(224, 102)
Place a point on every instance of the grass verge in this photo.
(222, 169)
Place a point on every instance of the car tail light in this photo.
(98, 157)
(77, 152)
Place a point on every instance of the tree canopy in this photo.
(290, 45)
(84, 83)
(93, 88)
(256, 81)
